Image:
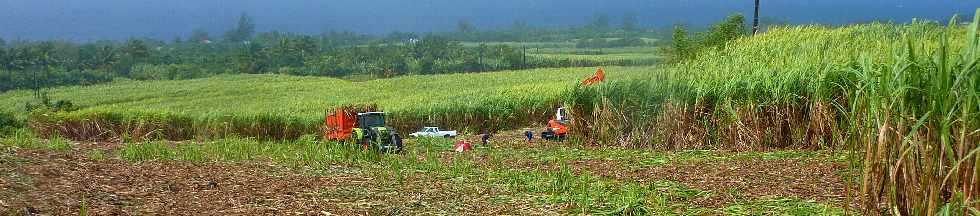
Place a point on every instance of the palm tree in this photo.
(107, 57)
(137, 50)
(247, 58)
(305, 45)
(244, 30)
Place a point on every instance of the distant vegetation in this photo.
(686, 45)
(278, 107)
(45, 64)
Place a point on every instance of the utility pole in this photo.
(755, 19)
(481, 56)
(524, 56)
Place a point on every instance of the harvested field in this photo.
(40, 182)
(505, 178)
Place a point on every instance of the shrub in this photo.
(8, 123)
(717, 36)
(45, 105)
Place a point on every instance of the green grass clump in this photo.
(304, 151)
(25, 138)
(97, 155)
(782, 206)
(140, 152)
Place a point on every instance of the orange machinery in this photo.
(340, 124)
(558, 127)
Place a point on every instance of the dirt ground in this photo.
(728, 180)
(46, 183)
(738, 179)
(40, 182)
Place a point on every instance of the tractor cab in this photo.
(370, 120)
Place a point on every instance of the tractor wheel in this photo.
(547, 135)
(367, 145)
(397, 141)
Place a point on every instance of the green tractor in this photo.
(365, 128)
(372, 133)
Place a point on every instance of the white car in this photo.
(433, 132)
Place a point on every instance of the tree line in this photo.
(55, 63)
(598, 33)
(42, 64)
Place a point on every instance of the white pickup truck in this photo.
(433, 132)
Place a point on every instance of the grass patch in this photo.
(97, 155)
(139, 152)
(306, 151)
(24, 138)
(781, 207)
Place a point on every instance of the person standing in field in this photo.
(528, 135)
(485, 138)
